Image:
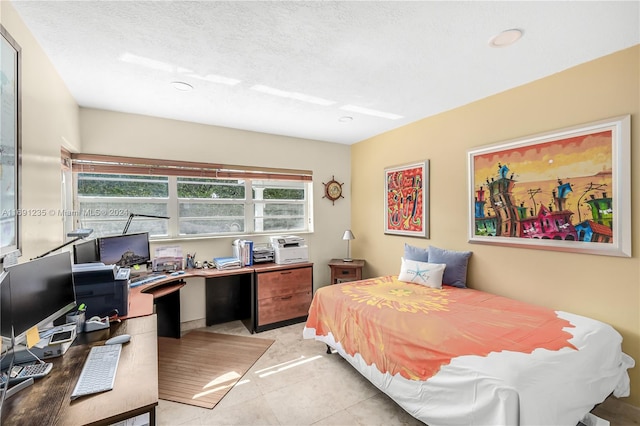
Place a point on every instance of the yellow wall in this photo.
(602, 287)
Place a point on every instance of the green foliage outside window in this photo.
(97, 185)
(283, 194)
(210, 188)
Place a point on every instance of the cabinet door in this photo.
(284, 282)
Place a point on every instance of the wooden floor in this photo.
(201, 367)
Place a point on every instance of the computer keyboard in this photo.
(99, 371)
(37, 370)
(145, 280)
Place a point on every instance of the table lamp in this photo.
(348, 235)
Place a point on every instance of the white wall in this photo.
(49, 121)
(106, 132)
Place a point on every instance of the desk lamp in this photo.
(132, 215)
(79, 234)
(348, 235)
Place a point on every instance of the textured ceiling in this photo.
(297, 68)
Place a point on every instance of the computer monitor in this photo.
(125, 250)
(41, 291)
(86, 252)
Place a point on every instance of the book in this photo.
(246, 248)
(243, 250)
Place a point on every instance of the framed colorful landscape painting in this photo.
(406, 200)
(567, 190)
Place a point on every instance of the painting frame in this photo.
(10, 147)
(402, 217)
(564, 162)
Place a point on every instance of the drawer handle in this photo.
(286, 297)
(285, 272)
(346, 272)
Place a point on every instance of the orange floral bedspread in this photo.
(414, 330)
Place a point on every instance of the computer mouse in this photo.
(122, 338)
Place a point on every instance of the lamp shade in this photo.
(348, 235)
(80, 233)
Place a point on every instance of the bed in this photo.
(459, 356)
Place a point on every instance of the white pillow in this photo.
(429, 274)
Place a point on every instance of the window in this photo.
(211, 206)
(279, 206)
(238, 202)
(105, 202)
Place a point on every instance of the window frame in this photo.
(100, 164)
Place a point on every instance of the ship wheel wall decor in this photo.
(333, 190)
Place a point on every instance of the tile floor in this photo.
(296, 383)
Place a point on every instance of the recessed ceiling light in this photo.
(505, 38)
(182, 86)
(345, 119)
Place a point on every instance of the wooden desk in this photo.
(230, 295)
(135, 392)
(141, 298)
(342, 271)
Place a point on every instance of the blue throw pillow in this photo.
(416, 253)
(455, 273)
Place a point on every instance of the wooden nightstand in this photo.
(342, 271)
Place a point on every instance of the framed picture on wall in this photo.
(567, 190)
(406, 200)
(9, 145)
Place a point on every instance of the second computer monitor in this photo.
(125, 250)
(86, 252)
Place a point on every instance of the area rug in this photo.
(201, 367)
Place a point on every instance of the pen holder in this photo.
(78, 318)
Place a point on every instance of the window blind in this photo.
(95, 163)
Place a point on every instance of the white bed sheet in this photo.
(510, 388)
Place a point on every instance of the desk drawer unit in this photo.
(283, 295)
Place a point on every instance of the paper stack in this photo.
(223, 263)
(263, 253)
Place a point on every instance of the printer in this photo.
(102, 288)
(289, 249)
